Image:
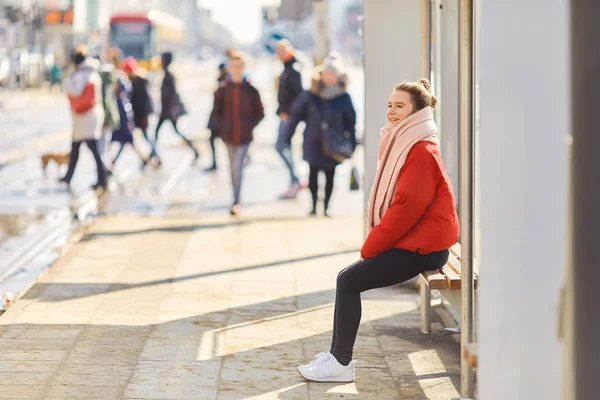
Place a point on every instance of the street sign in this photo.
(271, 41)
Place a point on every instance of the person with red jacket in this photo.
(411, 222)
(237, 111)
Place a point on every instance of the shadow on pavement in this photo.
(55, 292)
(237, 353)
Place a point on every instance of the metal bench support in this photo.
(425, 307)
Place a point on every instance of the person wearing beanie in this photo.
(328, 112)
(123, 134)
(141, 103)
(84, 90)
(290, 87)
(172, 107)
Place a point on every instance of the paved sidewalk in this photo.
(207, 307)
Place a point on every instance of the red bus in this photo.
(144, 36)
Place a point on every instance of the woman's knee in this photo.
(345, 279)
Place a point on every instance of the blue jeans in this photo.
(237, 156)
(284, 148)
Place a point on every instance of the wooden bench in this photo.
(444, 279)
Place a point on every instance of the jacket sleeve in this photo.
(414, 193)
(350, 119)
(167, 90)
(258, 111)
(294, 90)
(218, 107)
(289, 91)
(297, 113)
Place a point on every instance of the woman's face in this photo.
(329, 78)
(399, 107)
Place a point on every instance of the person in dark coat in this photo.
(141, 101)
(237, 111)
(172, 107)
(290, 87)
(327, 103)
(124, 133)
(212, 125)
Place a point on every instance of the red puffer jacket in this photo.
(422, 217)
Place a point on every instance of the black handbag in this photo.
(178, 109)
(337, 143)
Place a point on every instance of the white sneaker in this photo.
(328, 370)
(323, 356)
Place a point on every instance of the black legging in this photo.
(74, 157)
(390, 268)
(313, 184)
(161, 121)
(153, 153)
(122, 147)
(214, 134)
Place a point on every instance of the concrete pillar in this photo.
(449, 90)
(585, 125)
(392, 32)
(524, 124)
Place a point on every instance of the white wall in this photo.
(392, 30)
(449, 97)
(523, 181)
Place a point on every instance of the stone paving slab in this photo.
(207, 307)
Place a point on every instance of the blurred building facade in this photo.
(294, 20)
(295, 10)
(211, 34)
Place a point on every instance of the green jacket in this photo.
(112, 119)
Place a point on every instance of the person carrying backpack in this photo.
(84, 90)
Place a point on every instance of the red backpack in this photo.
(85, 102)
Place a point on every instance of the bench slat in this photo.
(456, 250)
(449, 276)
(435, 279)
(454, 263)
(452, 278)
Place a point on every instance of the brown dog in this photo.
(58, 158)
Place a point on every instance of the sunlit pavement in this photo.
(168, 297)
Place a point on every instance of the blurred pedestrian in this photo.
(329, 113)
(123, 135)
(212, 125)
(84, 89)
(111, 109)
(290, 87)
(172, 107)
(237, 111)
(55, 75)
(411, 222)
(141, 101)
